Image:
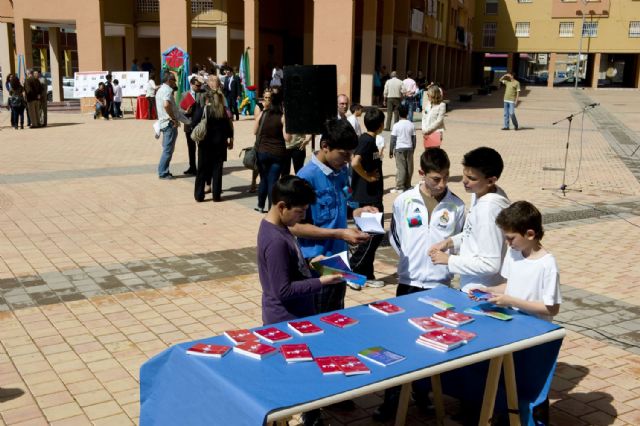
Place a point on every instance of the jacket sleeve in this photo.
(438, 123)
(395, 231)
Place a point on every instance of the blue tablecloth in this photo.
(176, 388)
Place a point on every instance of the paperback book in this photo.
(425, 323)
(328, 365)
(489, 310)
(337, 264)
(240, 336)
(386, 308)
(339, 320)
(440, 340)
(296, 353)
(380, 356)
(440, 304)
(351, 365)
(480, 295)
(305, 328)
(211, 351)
(255, 349)
(451, 318)
(272, 335)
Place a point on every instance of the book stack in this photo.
(254, 349)
(425, 323)
(451, 318)
(296, 353)
(272, 335)
(441, 340)
(339, 320)
(347, 365)
(440, 304)
(305, 328)
(240, 336)
(380, 356)
(211, 351)
(386, 308)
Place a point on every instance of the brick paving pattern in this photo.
(102, 265)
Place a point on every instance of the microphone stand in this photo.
(564, 187)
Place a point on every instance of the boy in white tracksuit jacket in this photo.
(481, 245)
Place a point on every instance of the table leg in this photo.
(438, 402)
(512, 390)
(403, 404)
(490, 390)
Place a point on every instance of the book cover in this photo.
(328, 365)
(255, 349)
(351, 365)
(440, 304)
(187, 102)
(337, 265)
(465, 335)
(296, 353)
(213, 351)
(490, 310)
(305, 328)
(452, 318)
(240, 336)
(480, 295)
(381, 356)
(272, 335)
(440, 339)
(339, 320)
(425, 323)
(386, 308)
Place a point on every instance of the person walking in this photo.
(392, 97)
(433, 118)
(511, 96)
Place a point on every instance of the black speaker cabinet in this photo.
(310, 97)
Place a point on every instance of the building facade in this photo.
(357, 35)
(555, 42)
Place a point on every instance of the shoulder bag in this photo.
(200, 131)
(250, 155)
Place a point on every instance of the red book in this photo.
(440, 339)
(425, 323)
(351, 365)
(255, 349)
(328, 365)
(240, 336)
(296, 353)
(339, 320)
(467, 336)
(452, 318)
(213, 351)
(305, 328)
(272, 335)
(386, 308)
(187, 101)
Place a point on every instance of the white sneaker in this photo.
(395, 191)
(354, 286)
(375, 283)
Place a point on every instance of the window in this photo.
(491, 7)
(566, 29)
(201, 6)
(147, 6)
(522, 29)
(525, 1)
(590, 29)
(634, 29)
(489, 34)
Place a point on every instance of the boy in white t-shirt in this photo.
(403, 144)
(533, 280)
(356, 112)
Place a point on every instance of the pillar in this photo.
(368, 60)
(252, 37)
(90, 36)
(414, 48)
(388, 19)
(222, 44)
(6, 50)
(23, 44)
(510, 62)
(175, 24)
(551, 70)
(129, 46)
(334, 25)
(307, 58)
(596, 70)
(401, 54)
(637, 79)
(54, 60)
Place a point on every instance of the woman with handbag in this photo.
(433, 118)
(17, 102)
(212, 148)
(271, 148)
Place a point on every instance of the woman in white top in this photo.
(433, 118)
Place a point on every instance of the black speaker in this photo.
(310, 93)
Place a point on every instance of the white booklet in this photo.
(370, 223)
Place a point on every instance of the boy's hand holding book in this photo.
(354, 236)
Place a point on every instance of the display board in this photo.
(133, 83)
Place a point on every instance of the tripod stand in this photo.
(564, 187)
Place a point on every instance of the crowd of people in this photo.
(28, 95)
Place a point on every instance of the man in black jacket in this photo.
(232, 91)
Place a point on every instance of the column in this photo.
(368, 59)
(401, 54)
(551, 70)
(129, 46)
(23, 43)
(6, 50)
(222, 44)
(90, 35)
(54, 59)
(175, 24)
(510, 62)
(414, 48)
(595, 74)
(388, 18)
(333, 25)
(252, 38)
(307, 58)
(637, 79)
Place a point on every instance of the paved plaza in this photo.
(103, 265)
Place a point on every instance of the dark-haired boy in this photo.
(325, 230)
(356, 112)
(403, 144)
(368, 190)
(480, 245)
(288, 288)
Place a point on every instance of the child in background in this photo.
(356, 112)
(403, 145)
(117, 99)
